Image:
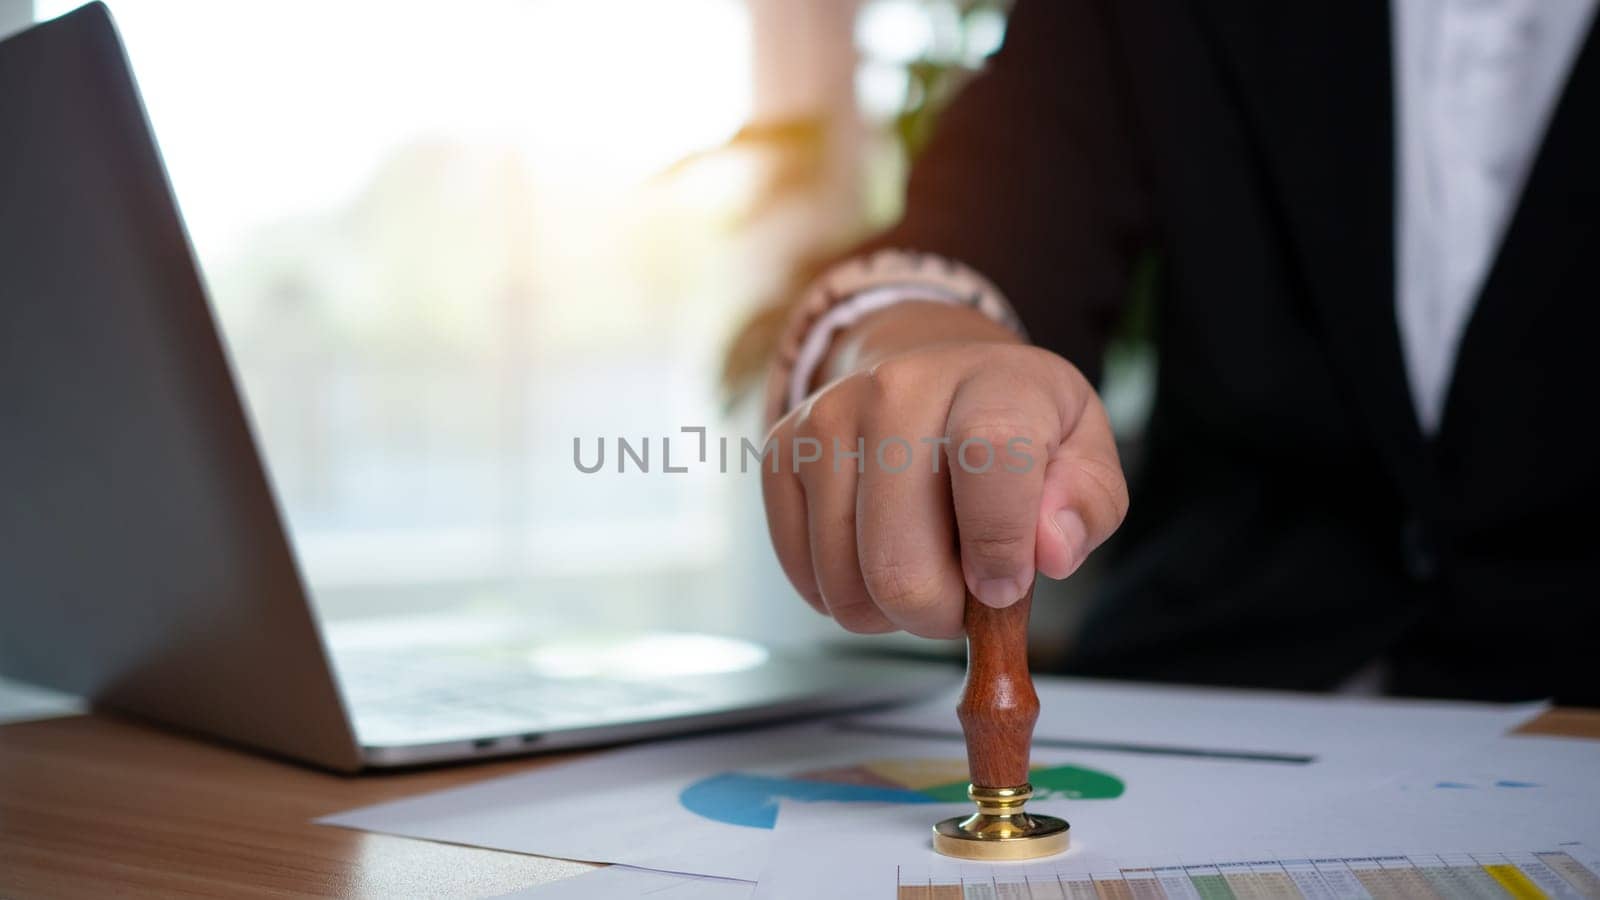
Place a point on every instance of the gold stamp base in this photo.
(1048, 836)
(1000, 829)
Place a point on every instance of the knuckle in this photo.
(992, 539)
(829, 413)
(899, 377)
(895, 453)
(906, 587)
(994, 430)
(840, 521)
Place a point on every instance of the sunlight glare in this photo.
(271, 110)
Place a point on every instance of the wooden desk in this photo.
(98, 806)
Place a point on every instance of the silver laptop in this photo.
(143, 560)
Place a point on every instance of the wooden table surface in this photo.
(95, 806)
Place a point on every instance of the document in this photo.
(1518, 811)
(1533, 765)
(1355, 733)
(707, 805)
(703, 805)
(1497, 793)
(875, 855)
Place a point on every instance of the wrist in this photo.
(848, 294)
(904, 327)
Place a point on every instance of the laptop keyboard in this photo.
(400, 699)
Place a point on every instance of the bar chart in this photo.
(1567, 871)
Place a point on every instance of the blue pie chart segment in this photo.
(752, 800)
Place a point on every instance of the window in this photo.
(446, 239)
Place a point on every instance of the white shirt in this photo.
(1475, 84)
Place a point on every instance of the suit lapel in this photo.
(1313, 81)
(1553, 224)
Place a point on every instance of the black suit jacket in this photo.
(1290, 521)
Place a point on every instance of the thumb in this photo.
(1085, 495)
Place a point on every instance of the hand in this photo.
(982, 461)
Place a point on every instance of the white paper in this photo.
(1498, 793)
(1337, 730)
(706, 805)
(1510, 796)
(824, 850)
(625, 883)
(1535, 765)
(674, 806)
(632, 802)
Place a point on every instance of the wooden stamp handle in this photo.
(998, 705)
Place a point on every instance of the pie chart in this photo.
(751, 800)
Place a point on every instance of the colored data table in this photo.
(1567, 871)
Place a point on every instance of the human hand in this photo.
(982, 460)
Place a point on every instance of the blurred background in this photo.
(446, 239)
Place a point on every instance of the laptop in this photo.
(143, 559)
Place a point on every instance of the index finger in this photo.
(1000, 435)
